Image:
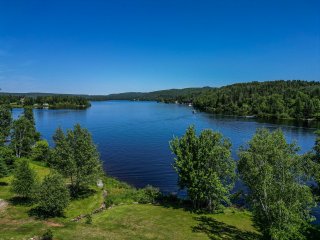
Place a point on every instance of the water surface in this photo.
(133, 137)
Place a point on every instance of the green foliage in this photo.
(313, 163)
(127, 194)
(53, 196)
(48, 235)
(41, 151)
(3, 169)
(205, 167)
(274, 173)
(89, 219)
(52, 101)
(149, 194)
(24, 180)
(28, 113)
(22, 136)
(5, 123)
(75, 156)
(7, 155)
(271, 99)
(316, 147)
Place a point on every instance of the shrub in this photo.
(7, 155)
(89, 219)
(3, 169)
(48, 235)
(148, 194)
(41, 151)
(109, 202)
(53, 196)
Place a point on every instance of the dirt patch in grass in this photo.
(53, 224)
(3, 204)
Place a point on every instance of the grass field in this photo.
(124, 221)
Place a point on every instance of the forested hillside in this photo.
(280, 99)
(272, 99)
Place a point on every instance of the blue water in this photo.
(133, 137)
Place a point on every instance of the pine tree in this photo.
(24, 180)
(5, 123)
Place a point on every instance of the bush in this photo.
(41, 151)
(109, 201)
(125, 196)
(48, 235)
(89, 219)
(3, 169)
(53, 195)
(148, 194)
(7, 155)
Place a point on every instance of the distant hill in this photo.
(281, 99)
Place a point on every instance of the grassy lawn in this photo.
(125, 221)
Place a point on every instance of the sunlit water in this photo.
(133, 137)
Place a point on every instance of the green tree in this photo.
(41, 151)
(28, 113)
(53, 195)
(316, 147)
(274, 173)
(3, 169)
(22, 137)
(75, 156)
(204, 166)
(313, 160)
(5, 123)
(7, 155)
(24, 180)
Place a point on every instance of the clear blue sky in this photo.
(100, 47)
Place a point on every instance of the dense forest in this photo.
(295, 99)
(45, 101)
(272, 99)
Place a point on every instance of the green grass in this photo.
(124, 221)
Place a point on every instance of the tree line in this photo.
(277, 178)
(280, 99)
(51, 101)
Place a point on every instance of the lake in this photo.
(133, 137)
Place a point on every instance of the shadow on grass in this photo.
(173, 202)
(218, 230)
(21, 201)
(81, 193)
(4, 184)
(39, 213)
